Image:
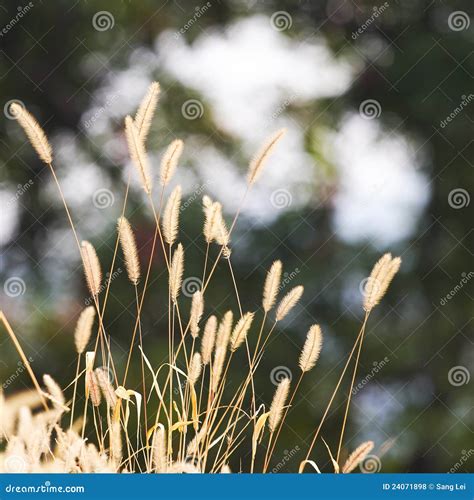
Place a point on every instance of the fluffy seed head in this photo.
(34, 132)
(197, 308)
(357, 456)
(210, 218)
(146, 110)
(170, 160)
(278, 403)
(240, 331)
(138, 154)
(171, 216)
(92, 387)
(208, 339)
(106, 387)
(129, 249)
(272, 283)
(379, 280)
(195, 368)
(217, 366)
(92, 268)
(55, 392)
(160, 462)
(176, 272)
(83, 330)
(312, 348)
(288, 302)
(225, 329)
(259, 160)
(221, 233)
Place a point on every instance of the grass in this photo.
(183, 417)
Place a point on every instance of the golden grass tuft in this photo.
(258, 162)
(138, 154)
(271, 287)
(357, 456)
(146, 111)
(379, 280)
(92, 269)
(171, 216)
(129, 249)
(83, 330)
(311, 349)
(288, 302)
(176, 272)
(278, 403)
(170, 160)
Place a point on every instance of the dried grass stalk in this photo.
(138, 154)
(259, 160)
(357, 456)
(106, 387)
(240, 331)
(176, 272)
(197, 309)
(272, 284)
(129, 249)
(208, 339)
(379, 280)
(225, 329)
(195, 368)
(278, 404)
(312, 348)
(92, 268)
(170, 160)
(146, 110)
(83, 330)
(34, 132)
(171, 216)
(288, 302)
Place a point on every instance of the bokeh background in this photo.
(377, 99)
